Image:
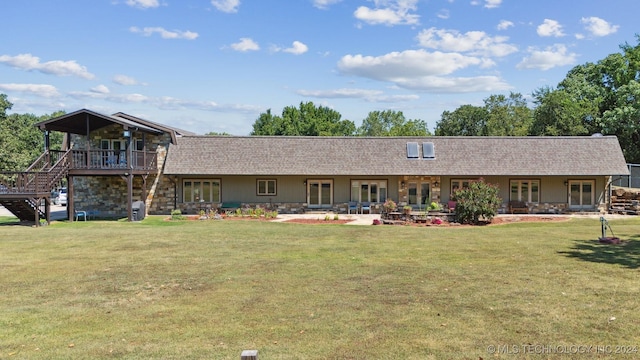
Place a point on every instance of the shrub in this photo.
(177, 215)
(389, 205)
(336, 217)
(478, 200)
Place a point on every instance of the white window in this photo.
(374, 191)
(460, 184)
(525, 190)
(201, 190)
(266, 187)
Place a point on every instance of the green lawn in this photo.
(210, 289)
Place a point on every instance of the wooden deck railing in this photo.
(113, 159)
(40, 177)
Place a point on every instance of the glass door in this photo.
(319, 193)
(581, 194)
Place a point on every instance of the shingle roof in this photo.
(456, 156)
(78, 122)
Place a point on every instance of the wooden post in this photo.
(249, 355)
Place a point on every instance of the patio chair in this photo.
(80, 213)
(353, 206)
(366, 206)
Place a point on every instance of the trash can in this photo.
(137, 209)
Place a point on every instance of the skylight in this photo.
(412, 150)
(428, 151)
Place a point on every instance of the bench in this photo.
(230, 205)
(518, 207)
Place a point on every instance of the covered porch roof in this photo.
(82, 121)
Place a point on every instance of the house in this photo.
(112, 161)
(549, 174)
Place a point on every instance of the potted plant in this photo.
(389, 206)
(434, 207)
(407, 209)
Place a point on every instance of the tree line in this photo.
(20, 141)
(601, 97)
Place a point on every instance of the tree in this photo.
(624, 120)
(213, 133)
(508, 116)
(307, 120)
(500, 116)
(599, 97)
(20, 141)
(558, 114)
(478, 200)
(391, 123)
(467, 120)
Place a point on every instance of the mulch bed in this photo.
(496, 221)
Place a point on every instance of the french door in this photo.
(319, 193)
(581, 194)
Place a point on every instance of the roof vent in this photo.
(597, 135)
(428, 151)
(412, 150)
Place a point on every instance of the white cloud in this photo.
(439, 84)
(443, 14)
(421, 70)
(55, 67)
(96, 93)
(389, 12)
(228, 6)
(548, 58)
(43, 90)
(550, 28)
(490, 4)
(324, 4)
(245, 44)
(599, 27)
(144, 4)
(505, 24)
(297, 48)
(125, 80)
(473, 42)
(100, 89)
(165, 34)
(367, 95)
(396, 65)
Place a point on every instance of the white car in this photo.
(62, 197)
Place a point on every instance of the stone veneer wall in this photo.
(107, 195)
(161, 196)
(282, 208)
(403, 193)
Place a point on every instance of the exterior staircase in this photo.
(27, 194)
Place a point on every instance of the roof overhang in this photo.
(83, 121)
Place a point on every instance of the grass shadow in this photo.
(626, 254)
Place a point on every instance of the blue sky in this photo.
(215, 65)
